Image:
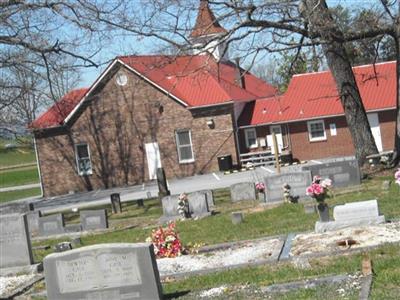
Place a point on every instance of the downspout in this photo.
(38, 165)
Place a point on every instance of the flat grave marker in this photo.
(103, 271)
(244, 191)
(50, 225)
(15, 244)
(342, 172)
(94, 219)
(298, 182)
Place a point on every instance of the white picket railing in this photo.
(257, 158)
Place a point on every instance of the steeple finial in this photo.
(206, 23)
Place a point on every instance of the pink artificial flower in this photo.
(317, 179)
(309, 191)
(260, 187)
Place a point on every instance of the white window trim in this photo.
(184, 161)
(246, 135)
(77, 161)
(322, 138)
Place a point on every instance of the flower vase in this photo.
(323, 211)
(262, 197)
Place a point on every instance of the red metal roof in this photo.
(198, 80)
(314, 95)
(195, 80)
(206, 23)
(56, 114)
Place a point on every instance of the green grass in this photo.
(11, 157)
(19, 177)
(14, 195)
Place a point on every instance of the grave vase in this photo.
(323, 212)
(261, 197)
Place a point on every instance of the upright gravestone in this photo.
(94, 219)
(116, 206)
(352, 214)
(104, 272)
(33, 221)
(198, 205)
(210, 197)
(244, 191)
(343, 172)
(50, 225)
(298, 182)
(15, 245)
(170, 207)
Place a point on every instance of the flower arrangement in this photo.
(260, 187)
(287, 196)
(183, 206)
(166, 241)
(319, 189)
(397, 176)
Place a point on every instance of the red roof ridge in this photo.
(354, 68)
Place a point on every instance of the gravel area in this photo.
(249, 252)
(10, 283)
(365, 236)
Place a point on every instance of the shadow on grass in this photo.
(175, 295)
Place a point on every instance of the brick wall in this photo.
(117, 123)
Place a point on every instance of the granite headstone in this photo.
(103, 272)
(244, 191)
(94, 219)
(298, 182)
(170, 206)
(52, 224)
(342, 172)
(33, 221)
(15, 245)
(198, 205)
(210, 197)
(16, 208)
(352, 214)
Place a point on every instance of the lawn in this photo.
(11, 157)
(20, 194)
(21, 176)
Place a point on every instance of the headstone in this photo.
(16, 208)
(116, 203)
(352, 214)
(33, 221)
(244, 191)
(170, 206)
(15, 245)
(73, 228)
(198, 205)
(342, 172)
(298, 181)
(162, 183)
(104, 272)
(237, 217)
(50, 225)
(210, 197)
(386, 185)
(94, 219)
(140, 203)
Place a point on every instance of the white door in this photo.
(278, 133)
(373, 121)
(153, 159)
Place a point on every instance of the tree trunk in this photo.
(317, 14)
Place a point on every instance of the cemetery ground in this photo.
(17, 167)
(135, 223)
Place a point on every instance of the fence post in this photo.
(276, 153)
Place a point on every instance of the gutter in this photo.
(38, 166)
